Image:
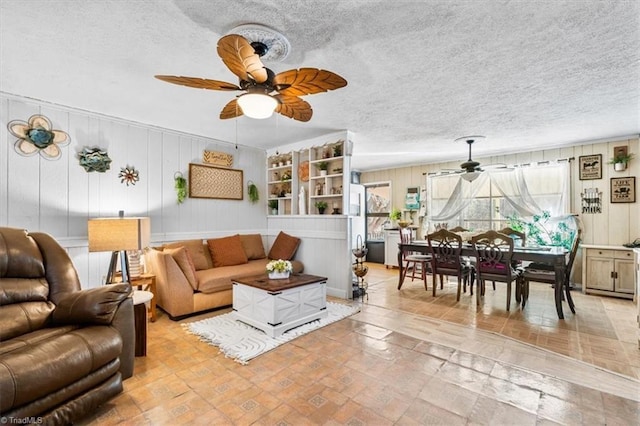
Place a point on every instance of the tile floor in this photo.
(405, 359)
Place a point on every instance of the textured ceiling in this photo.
(527, 74)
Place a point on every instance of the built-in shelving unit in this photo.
(315, 175)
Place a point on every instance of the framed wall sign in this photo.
(215, 182)
(623, 190)
(590, 167)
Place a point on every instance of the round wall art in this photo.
(36, 136)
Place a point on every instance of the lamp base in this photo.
(124, 267)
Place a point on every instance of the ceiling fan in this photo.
(471, 169)
(264, 91)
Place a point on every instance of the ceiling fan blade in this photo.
(294, 107)
(240, 57)
(231, 110)
(307, 81)
(198, 83)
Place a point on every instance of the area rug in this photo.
(242, 342)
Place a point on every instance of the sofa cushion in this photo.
(182, 256)
(218, 279)
(284, 247)
(197, 250)
(253, 247)
(227, 251)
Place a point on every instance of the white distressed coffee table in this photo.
(275, 306)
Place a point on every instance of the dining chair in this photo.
(416, 261)
(542, 274)
(445, 247)
(519, 240)
(494, 253)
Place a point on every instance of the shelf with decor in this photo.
(314, 173)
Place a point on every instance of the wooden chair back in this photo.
(445, 248)
(494, 252)
(520, 238)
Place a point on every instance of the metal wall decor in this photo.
(591, 201)
(36, 136)
(129, 175)
(590, 167)
(94, 160)
(215, 182)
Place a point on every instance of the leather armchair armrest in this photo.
(93, 306)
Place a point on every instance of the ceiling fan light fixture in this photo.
(471, 176)
(256, 105)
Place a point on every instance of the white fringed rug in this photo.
(242, 342)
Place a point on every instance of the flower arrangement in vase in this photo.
(279, 269)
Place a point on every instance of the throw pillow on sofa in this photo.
(284, 247)
(196, 250)
(252, 245)
(183, 258)
(227, 251)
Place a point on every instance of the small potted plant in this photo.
(279, 269)
(286, 175)
(395, 215)
(620, 161)
(337, 150)
(321, 206)
(273, 205)
(323, 166)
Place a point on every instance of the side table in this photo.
(140, 299)
(147, 282)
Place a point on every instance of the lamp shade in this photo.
(256, 105)
(117, 234)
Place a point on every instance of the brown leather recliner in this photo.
(63, 351)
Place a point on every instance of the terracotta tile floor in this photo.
(405, 359)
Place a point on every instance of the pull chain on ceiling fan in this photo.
(265, 91)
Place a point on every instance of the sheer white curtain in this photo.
(529, 190)
(459, 198)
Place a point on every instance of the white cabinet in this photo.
(608, 271)
(391, 241)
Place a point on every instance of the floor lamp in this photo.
(117, 235)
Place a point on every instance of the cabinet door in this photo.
(599, 273)
(391, 241)
(624, 282)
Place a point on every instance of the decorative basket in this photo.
(278, 275)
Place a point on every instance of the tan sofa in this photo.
(195, 276)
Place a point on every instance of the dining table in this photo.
(556, 256)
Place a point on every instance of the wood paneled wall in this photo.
(58, 197)
(616, 225)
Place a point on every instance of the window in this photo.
(378, 198)
(490, 200)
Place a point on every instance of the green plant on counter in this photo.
(273, 204)
(180, 187)
(395, 214)
(252, 189)
(539, 233)
(321, 205)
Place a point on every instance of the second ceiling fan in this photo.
(471, 169)
(264, 91)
